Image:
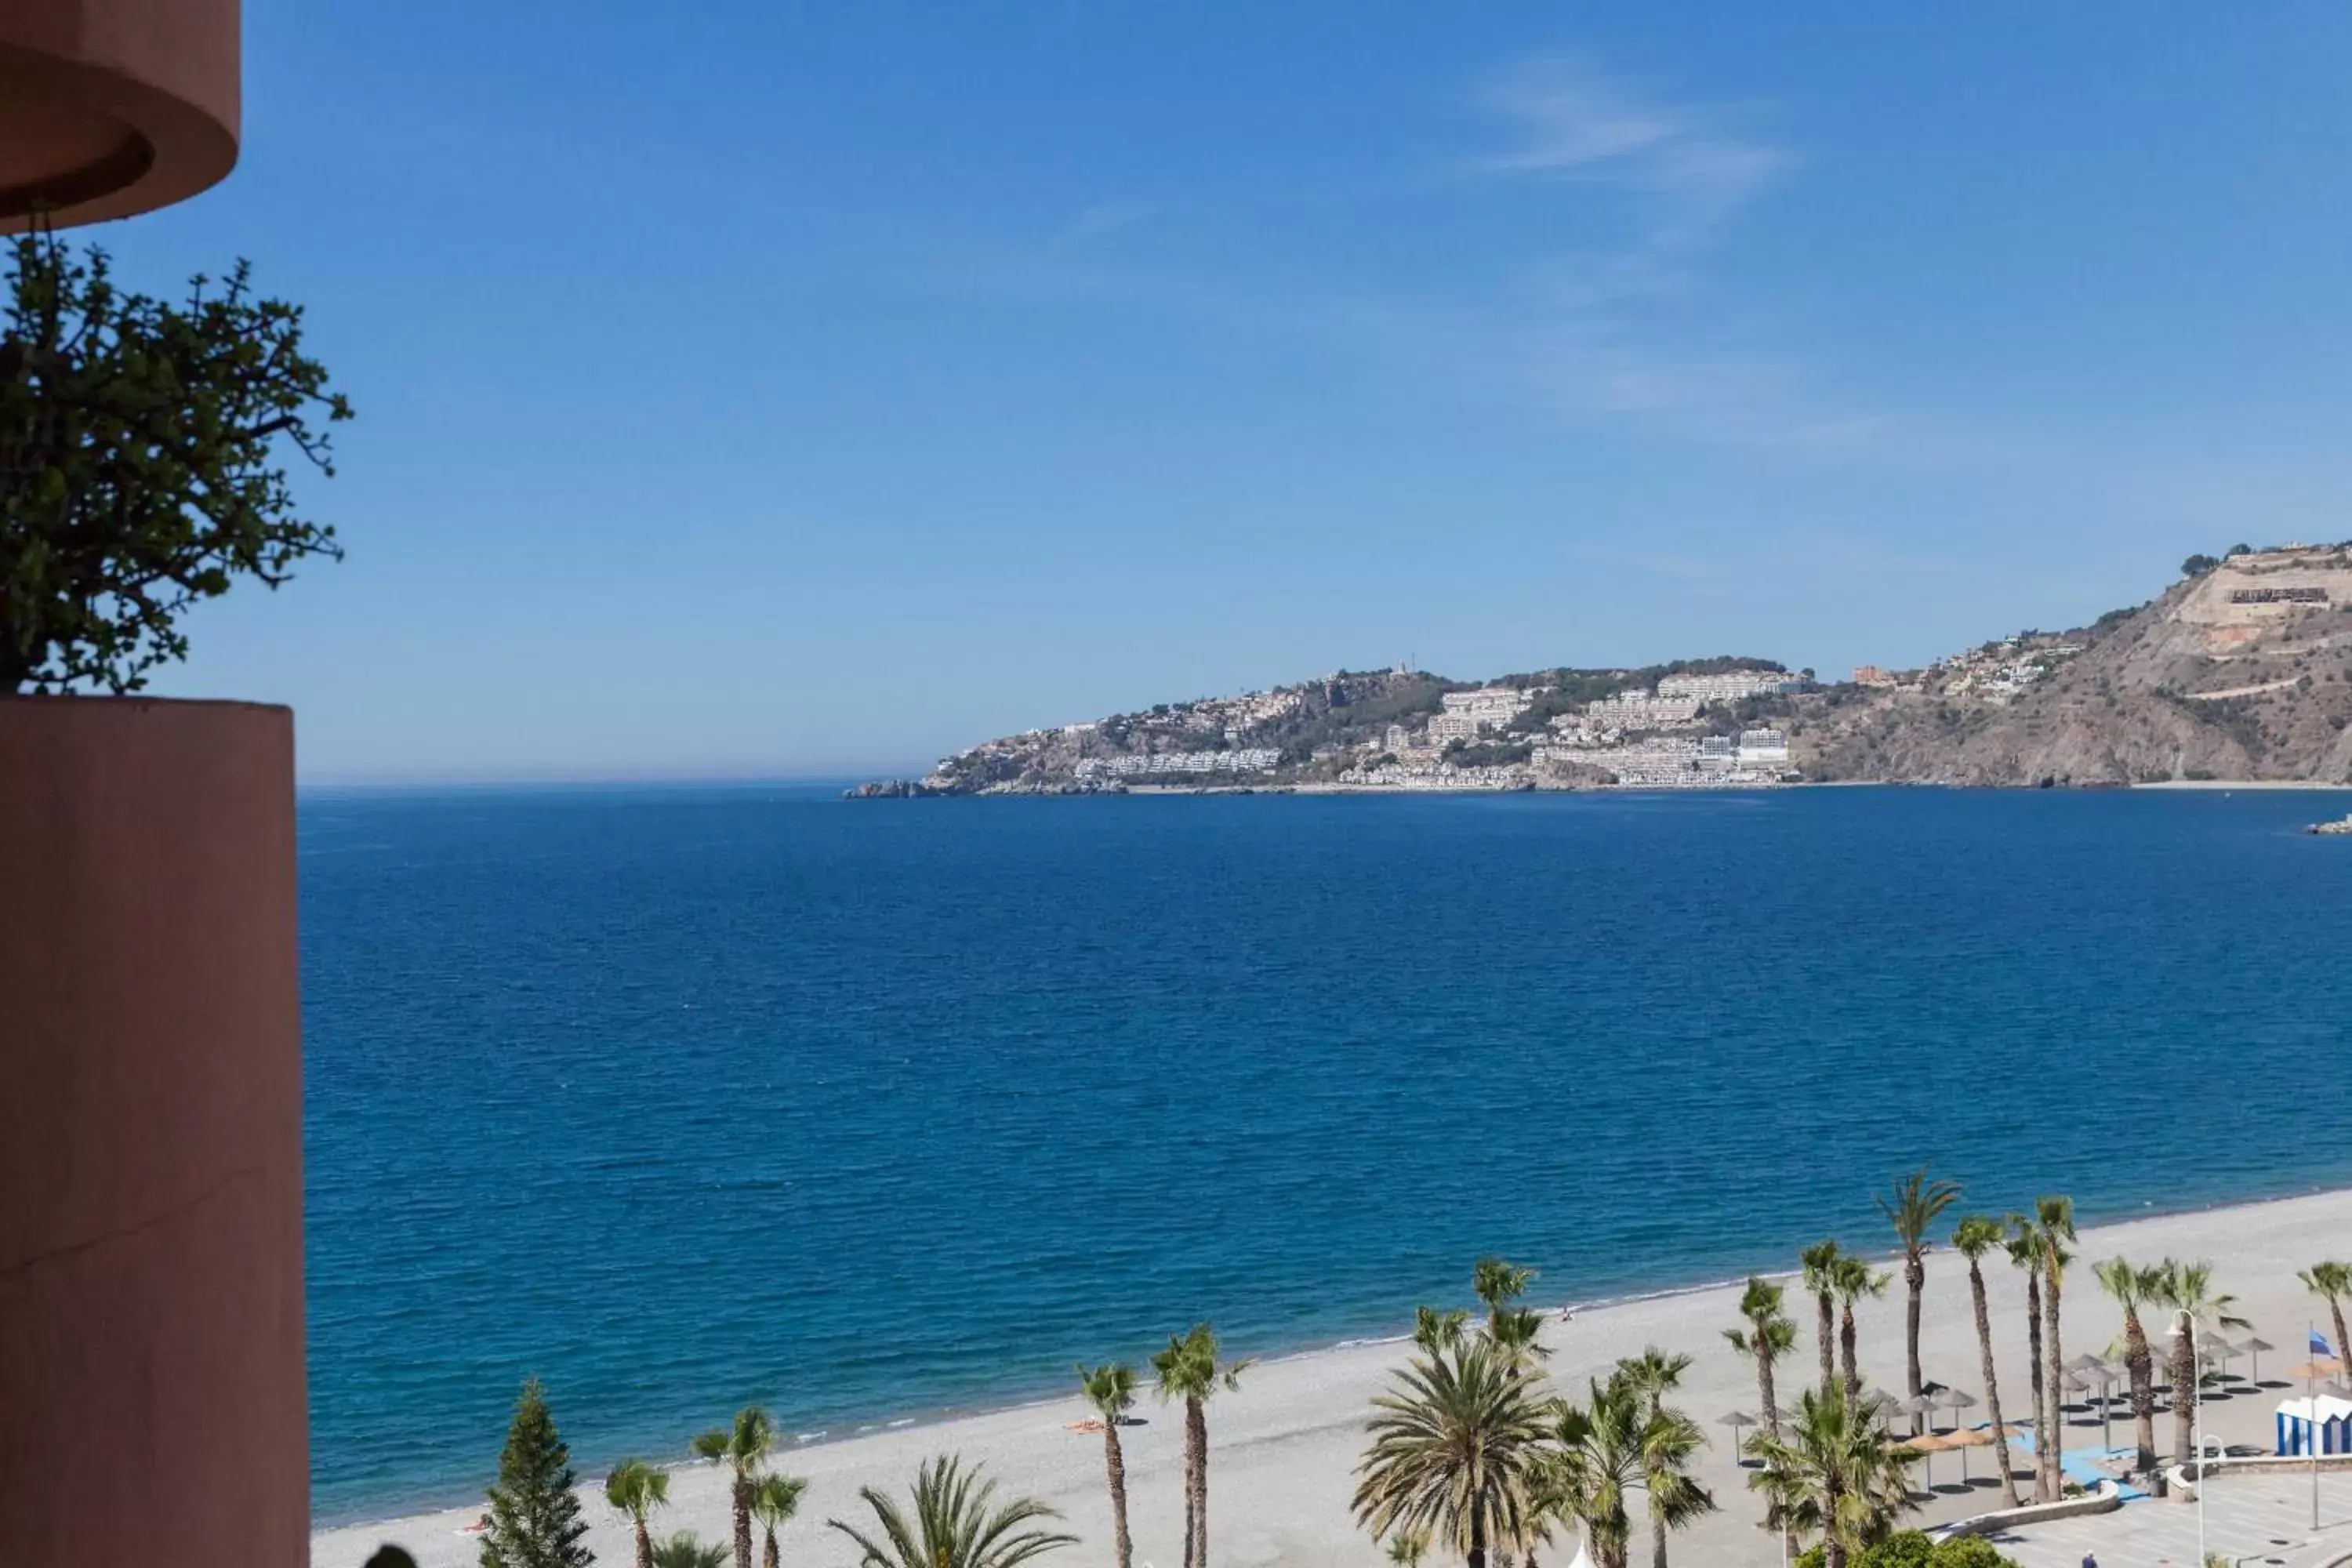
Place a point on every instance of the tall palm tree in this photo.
(2024, 1248)
(774, 1500)
(955, 1524)
(2187, 1290)
(1973, 1239)
(2055, 1220)
(637, 1488)
(2332, 1282)
(1613, 1447)
(1854, 1279)
(1499, 1283)
(1454, 1453)
(1833, 1474)
(1820, 1261)
(2133, 1288)
(1915, 1204)
(742, 1448)
(1770, 1334)
(685, 1549)
(1110, 1389)
(1669, 1441)
(1189, 1370)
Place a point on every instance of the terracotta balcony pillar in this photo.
(152, 1406)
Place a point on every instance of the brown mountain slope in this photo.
(2242, 672)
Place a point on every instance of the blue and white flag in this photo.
(2319, 1345)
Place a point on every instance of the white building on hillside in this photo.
(1763, 749)
(1731, 686)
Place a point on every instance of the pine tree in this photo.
(534, 1515)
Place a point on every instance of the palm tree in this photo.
(774, 1500)
(1434, 1330)
(954, 1524)
(2333, 1282)
(1854, 1279)
(1820, 1261)
(2024, 1248)
(1770, 1334)
(743, 1448)
(637, 1488)
(1455, 1452)
(1973, 1239)
(1408, 1547)
(685, 1549)
(2132, 1290)
(2054, 1221)
(1833, 1474)
(1613, 1447)
(1189, 1371)
(1915, 1204)
(1669, 1440)
(1514, 1330)
(1499, 1283)
(1110, 1389)
(2187, 1290)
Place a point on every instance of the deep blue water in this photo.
(684, 1099)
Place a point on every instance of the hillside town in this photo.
(2238, 669)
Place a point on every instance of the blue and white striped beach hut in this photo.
(2323, 1426)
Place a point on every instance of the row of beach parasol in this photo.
(2086, 1374)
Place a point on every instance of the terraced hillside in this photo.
(2243, 670)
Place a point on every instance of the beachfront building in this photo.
(152, 1378)
(1731, 686)
(1763, 749)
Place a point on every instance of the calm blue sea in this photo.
(683, 1098)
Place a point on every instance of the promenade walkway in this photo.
(2262, 1520)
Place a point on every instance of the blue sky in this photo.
(775, 389)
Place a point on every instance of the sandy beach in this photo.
(1282, 1448)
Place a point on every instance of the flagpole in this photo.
(2310, 1409)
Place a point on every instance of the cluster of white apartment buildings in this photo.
(1661, 761)
(1396, 775)
(1246, 760)
(1464, 714)
(1639, 710)
(1731, 686)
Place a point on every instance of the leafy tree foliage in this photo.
(139, 462)
(534, 1517)
(1913, 1549)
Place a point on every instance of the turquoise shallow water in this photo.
(688, 1098)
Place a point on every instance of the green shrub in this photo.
(1912, 1549)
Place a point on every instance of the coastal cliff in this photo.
(2240, 670)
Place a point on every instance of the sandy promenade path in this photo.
(1282, 1448)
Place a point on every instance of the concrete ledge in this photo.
(2182, 1483)
(2105, 1498)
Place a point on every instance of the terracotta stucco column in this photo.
(152, 1398)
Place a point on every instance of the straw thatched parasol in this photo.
(1955, 1400)
(1928, 1444)
(2255, 1346)
(1964, 1439)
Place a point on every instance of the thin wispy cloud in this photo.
(1105, 219)
(1597, 332)
(1573, 122)
(1638, 318)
